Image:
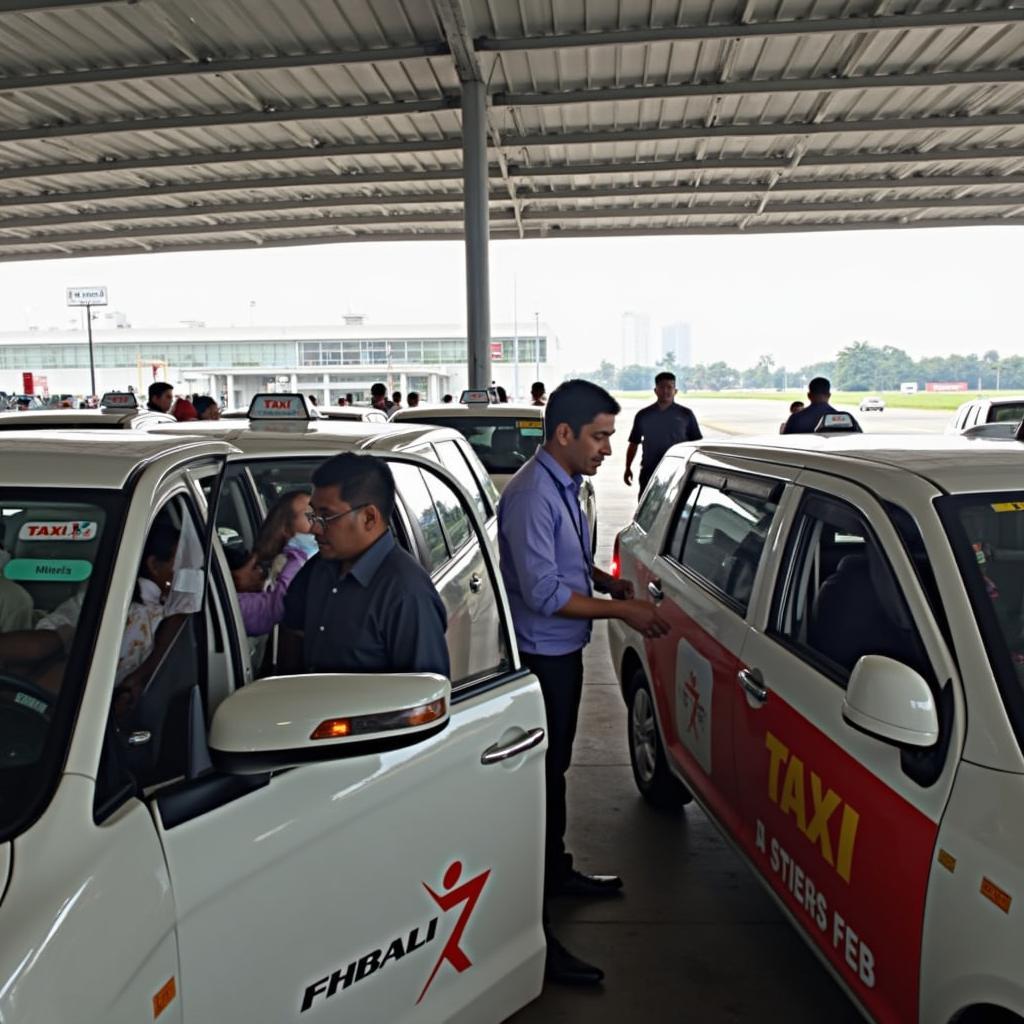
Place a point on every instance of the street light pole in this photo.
(92, 360)
(536, 345)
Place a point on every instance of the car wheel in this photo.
(657, 785)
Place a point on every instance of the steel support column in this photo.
(477, 221)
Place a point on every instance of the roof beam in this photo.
(217, 66)
(230, 185)
(257, 156)
(207, 158)
(37, 6)
(533, 214)
(783, 130)
(530, 215)
(525, 199)
(638, 93)
(269, 115)
(756, 30)
(903, 156)
(260, 224)
(532, 231)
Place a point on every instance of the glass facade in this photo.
(227, 355)
(404, 352)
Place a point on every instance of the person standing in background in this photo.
(657, 427)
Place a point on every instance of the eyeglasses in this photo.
(320, 522)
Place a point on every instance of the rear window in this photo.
(503, 445)
(1008, 412)
(55, 549)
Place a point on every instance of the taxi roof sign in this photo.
(837, 423)
(476, 396)
(118, 401)
(273, 406)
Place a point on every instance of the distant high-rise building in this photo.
(636, 340)
(676, 338)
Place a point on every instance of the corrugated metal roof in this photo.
(162, 125)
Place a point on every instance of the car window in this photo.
(837, 597)
(657, 490)
(457, 528)
(55, 550)
(986, 532)
(274, 477)
(1006, 412)
(426, 522)
(453, 459)
(502, 444)
(720, 531)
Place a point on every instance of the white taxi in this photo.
(118, 410)
(842, 691)
(298, 848)
(504, 436)
(979, 411)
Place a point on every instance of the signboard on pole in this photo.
(95, 295)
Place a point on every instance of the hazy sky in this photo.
(799, 297)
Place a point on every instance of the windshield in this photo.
(987, 534)
(55, 548)
(503, 444)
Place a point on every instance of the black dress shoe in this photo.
(576, 883)
(562, 968)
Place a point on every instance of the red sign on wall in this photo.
(497, 351)
(28, 385)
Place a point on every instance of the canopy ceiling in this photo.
(162, 125)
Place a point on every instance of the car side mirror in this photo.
(888, 699)
(284, 721)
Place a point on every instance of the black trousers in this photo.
(561, 682)
(644, 479)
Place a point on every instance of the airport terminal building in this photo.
(235, 363)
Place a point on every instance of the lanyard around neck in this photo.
(576, 518)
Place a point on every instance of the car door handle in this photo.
(751, 681)
(476, 583)
(654, 589)
(496, 753)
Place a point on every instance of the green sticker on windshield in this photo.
(58, 570)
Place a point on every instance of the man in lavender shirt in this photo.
(550, 577)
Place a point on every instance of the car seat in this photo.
(859, 610)
(505, 455)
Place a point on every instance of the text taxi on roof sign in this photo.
(157, 818)
(829, 595)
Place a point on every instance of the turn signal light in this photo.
(389, 721)
(332, 729)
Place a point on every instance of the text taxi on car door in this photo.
(226, 849)
(503, 435)
(842, 690)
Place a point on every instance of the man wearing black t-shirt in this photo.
(657, 427)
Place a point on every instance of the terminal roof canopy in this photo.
(133, 126)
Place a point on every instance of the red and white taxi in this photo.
(842, 690)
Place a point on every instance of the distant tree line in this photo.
(860, 366)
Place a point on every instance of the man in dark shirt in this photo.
(363, 604)
(806, 421)
(657, 427)
(161, 396)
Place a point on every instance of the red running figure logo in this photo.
(468, 893)
(695, 708)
